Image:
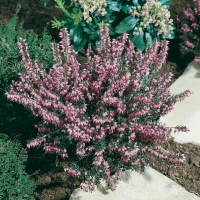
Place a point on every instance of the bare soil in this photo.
(56, 184)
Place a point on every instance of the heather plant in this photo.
(101, 115)
(190, 25)
(146, 21)
(15, 183)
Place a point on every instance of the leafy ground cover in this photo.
(56, 184)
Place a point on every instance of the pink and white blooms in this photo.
(101, 115)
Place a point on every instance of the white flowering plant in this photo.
(154, 22)
(146, 21)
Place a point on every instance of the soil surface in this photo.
(56, 184)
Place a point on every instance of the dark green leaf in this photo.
(45, 2)
(93, 36)
(165, 2)
(114, 5)
(71, 32)
(135, 3)
(67, 20)
(142, 2)
(154, 36)
(92, 26)
(87, 30)
(97, 18)
(149, 39)
(169, 35)
(126, 8)
(97, 43)
(76, 34)
(108, 17)
(82, 23)
(138, 40)
(150, 28)
(111, 31)
(81, 44)
(76, 5)
(158, 38)
(126, 25)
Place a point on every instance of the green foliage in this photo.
(15, 184)
(10, 59)
(126, 25)
(15, 119)
(117, 14)
(9, 56)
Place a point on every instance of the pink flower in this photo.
(190, 25)
(36, 142)
(72, 172)
(86, 186)
(189, 44)
(197, 59)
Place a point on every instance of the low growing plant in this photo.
(190, 24)
(14, 181)
(10, 58)
(146, 21)
(102, 115)
(14, 118)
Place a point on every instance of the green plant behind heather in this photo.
(10, 59)
(145, 21)
(15, 184)
(14, 119)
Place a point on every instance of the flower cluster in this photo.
(89, 6)
(152, 12)
(101, 115)
(190, 24)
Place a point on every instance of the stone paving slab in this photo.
(186, 112)
(152, 185)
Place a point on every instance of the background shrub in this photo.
(14, 119)
(190, 25)
(15, 183)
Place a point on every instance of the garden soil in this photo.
(54, 184)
